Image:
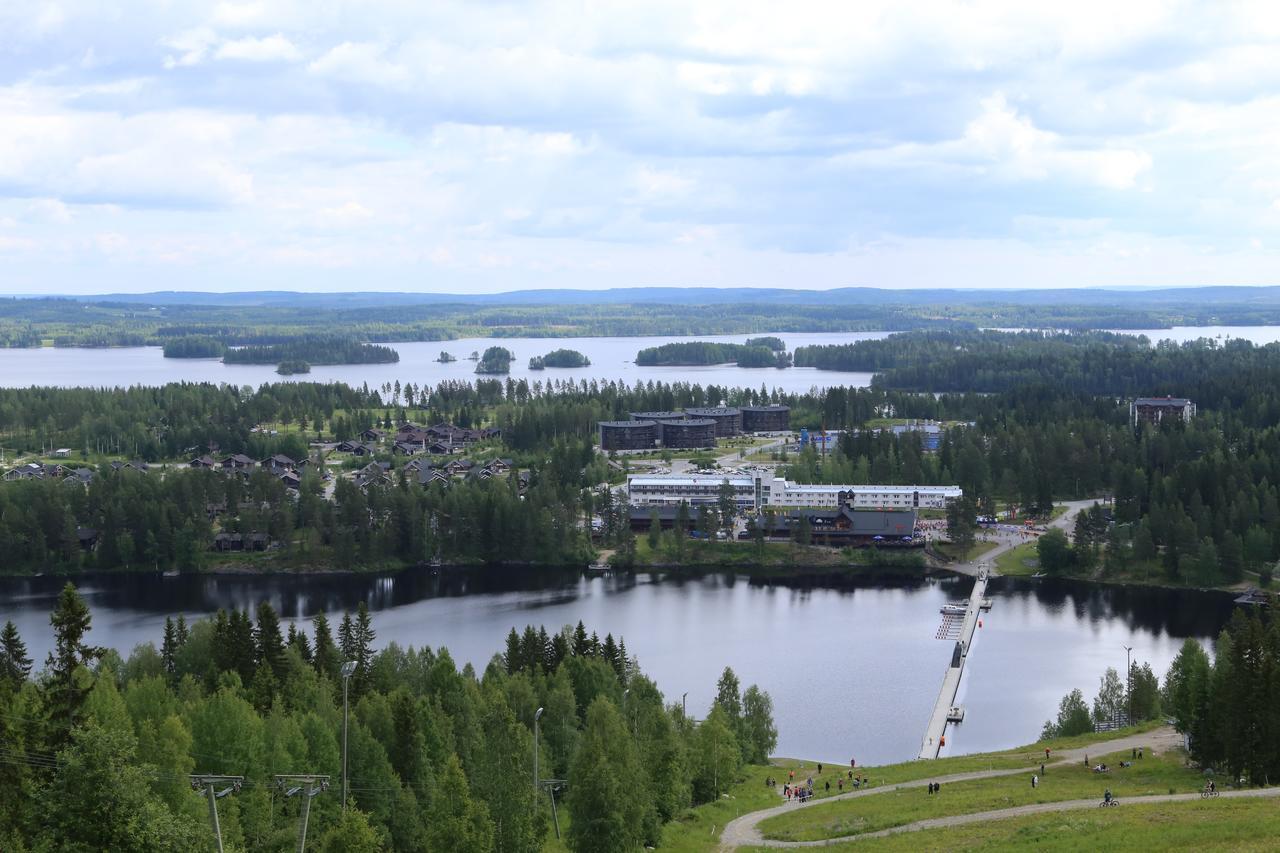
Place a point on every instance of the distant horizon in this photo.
(1136, 288)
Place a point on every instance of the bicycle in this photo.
(1206, 794)
(1111, 802)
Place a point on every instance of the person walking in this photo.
(1033, 781)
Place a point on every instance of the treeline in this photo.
(704, 352)
(1094, 363)
(179, 420)
(130, 520)
(194, 346)
(28, 322)
(98, 749)
(1230, 707)
(314, 350)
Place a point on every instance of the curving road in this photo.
(1008, 541)
(745, 831)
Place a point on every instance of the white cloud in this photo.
(191, 47)
(274, 48)
(360, 63)
(743, 142)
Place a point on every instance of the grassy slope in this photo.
(1240, 825)
(698, 829)
(1151, 775)
(1021, 560)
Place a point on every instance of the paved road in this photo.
(745, 831)
(1009, 541)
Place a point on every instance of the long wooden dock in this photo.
(932, 741)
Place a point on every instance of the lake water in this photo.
(853, 670)
(611, 359)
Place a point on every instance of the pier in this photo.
(945, 708)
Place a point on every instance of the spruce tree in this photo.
(269, 643)
(512, 657)
(71, 620)
(15, 666)
(325, 657)
(169, 649)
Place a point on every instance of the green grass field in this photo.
(1238, 825)
(1154, 774)
(1021, 560)
(698, 830)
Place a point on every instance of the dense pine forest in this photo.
(1193, 503)
(97, 323)
(313, 349)
(96, 749)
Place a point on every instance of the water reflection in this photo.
(853, 664)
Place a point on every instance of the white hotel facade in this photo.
(756, 492)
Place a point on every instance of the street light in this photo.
(1128, 680)
(684, 710)
(537, 715)
(348, 669)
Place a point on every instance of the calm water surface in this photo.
(853, 671)
(611, 359)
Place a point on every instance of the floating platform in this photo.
(955, 714)
(935, 735)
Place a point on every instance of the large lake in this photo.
(853, 671)
(611, 359)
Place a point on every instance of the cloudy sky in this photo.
(488, 146)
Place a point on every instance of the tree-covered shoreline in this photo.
(98, 748)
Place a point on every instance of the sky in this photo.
(491, 146)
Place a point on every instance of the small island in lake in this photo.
(692, 353)
(313, 349)
(446, 358)
(768, 341)
(495, 360)
(291, 366)
(559, 358)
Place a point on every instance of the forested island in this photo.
(495, 360)
(99, 748)
(770, 342)
(292, 366)
(315, 349)
(446, 357)
(691, 353)
(559, 358)
(194, 346)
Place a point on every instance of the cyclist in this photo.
(1106, 796)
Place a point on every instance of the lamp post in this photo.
(684, 711)
(1128, 680)
(348, 669)
(537, 715)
